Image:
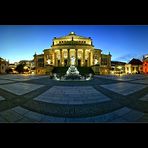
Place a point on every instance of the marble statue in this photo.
(72, 60)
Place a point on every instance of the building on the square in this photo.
(28, 65)
(117, 67)
(145, 64)
(72, 45)
(12, 68)
(133, 67)
(3, 65)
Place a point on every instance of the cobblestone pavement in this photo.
(39, 99)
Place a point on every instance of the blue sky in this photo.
(124, 42)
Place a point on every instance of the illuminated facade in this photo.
(117, 67)
(145, 64)
(133, 67)
(72, 45)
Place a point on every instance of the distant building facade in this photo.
(145, 64)
(117, 67)
(12, 67)
(29, 65)
(3, 65)
(72, 45)
(133, 67)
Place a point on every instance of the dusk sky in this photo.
(124, 42)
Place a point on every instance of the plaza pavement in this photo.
(107, 99)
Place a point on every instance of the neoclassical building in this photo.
(72, 45)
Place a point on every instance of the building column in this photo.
(83, 57)
(54, 58)
(76, 54)
(68, 50)
(92, 59)
(88, 59)
(61, 57)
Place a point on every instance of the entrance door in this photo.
(65, 62)
(86, 63)
(58, 63)
(79, 62)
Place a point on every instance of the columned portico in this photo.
(82, 56)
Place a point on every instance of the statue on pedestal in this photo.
(72, 60)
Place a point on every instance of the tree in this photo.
(20, 68)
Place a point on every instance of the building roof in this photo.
(72, 35)
(1, 59)
(105, 55)
(145, 57)
(135, 62)
(117, 63)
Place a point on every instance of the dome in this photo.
(72, 33)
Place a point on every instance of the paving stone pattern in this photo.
(39, 99)
(72, 95)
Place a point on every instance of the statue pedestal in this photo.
(72, 70)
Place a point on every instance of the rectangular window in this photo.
(104, 61)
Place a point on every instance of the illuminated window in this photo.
(95, 61)
(49, 61)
